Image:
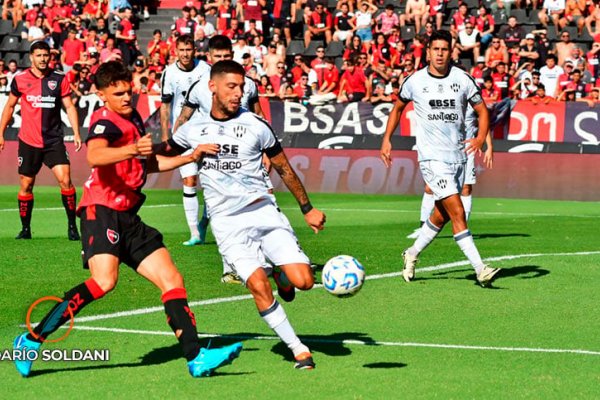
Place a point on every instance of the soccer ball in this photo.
(343, 276)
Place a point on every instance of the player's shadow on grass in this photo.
(385, 365)
(478, 236)
(524, 272)
(331, 345)
(157, 356)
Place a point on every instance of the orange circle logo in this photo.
(34, 305)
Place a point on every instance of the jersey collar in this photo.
(226, 118)
(439, 77)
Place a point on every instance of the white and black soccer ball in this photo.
(343, 276)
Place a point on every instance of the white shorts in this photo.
(444, 179)
(254, 235)
(470, 176)
(343, 35)
(190, 169)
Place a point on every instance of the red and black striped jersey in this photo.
(117, 186)
(41, 102)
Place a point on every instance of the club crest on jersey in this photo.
(52, 85)
(239, 131)
(455, 87)
(112, 236)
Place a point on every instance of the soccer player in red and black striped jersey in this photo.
(120, 155)
(43, 92)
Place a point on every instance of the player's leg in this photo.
(148, 256)
(189, 174)
(467, 199)
(427, 205)
(275, 317)
(229, 275)
(30, 162)
(203, 224)
(104, 269)
(62, 172)
(470, 180)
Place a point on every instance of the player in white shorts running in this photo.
(244, 216)
(176, 81)
(440, 94)
(428, 202)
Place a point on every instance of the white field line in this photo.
(370, 210)
(149, 310)
(354, 342)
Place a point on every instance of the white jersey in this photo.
(235, 177)
(176, 83)
(440, 105)
(471, 123)
(199, 96)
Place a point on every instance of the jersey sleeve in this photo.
(269, 144)
(252, 93)
(104, 129)
(166, 91)
(406, 91)
(473, 92)
(65, 88)
(14, 88)
(192, 98)
(179, 141)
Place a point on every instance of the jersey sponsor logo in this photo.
(442, 103)
(443, 116)
(221, 165)
(112, 236)
(52, 85)
(41, 101)
(229, 150)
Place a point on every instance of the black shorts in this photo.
(119, 233)
(281, 23)
(31, 158)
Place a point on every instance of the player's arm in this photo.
(165, 115)
(390, 128)
(9, 109)
(483, 118)
(158, 163)
(313, 217)
(99, 153)
(488, 156)
(184, 116)
(73, 120)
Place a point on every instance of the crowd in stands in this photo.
(318, 52)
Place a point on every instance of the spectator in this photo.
(263, 82)
(577, 85)
(549, 75)
(528, 53)
(234, 30)
(258, 50)
(319, 26)
(468, 43)
(576, 58)
(271, 60)
(200, 44)
(185, 25)
(489, 91)
(437, 10)
(139, 71)
(343, 26)
(478, 71)
(158, 46)
(207, 27)
(353, 85)
(251, 9)
(2, 67)
(567, 96)
(502, 80)
(504, 5)
(92, 41)
(379, 95)
(61, 19)
(302, 90)
(543, 44)
(299, 67)
(225, 15)
(593, 98)
(593, 19)
(496, 54)
(240, 47)
(460, 20)
(71, 49)
(36, 31)
(540, 96)
(95, 10)
(12, 9)
(328, 91)
(282, 18)
(387, 20)
(574, 10)
(415, 12)
(248, 64)
(319, 65)
(13, 70)
(253, 31)
(103, 31)
(552, 10)
(485, 25)
(383, 54)
(511, 33)
(279, 79)
(109, 52)
(363, 21)
(4, 88)
(155, 65)
(126, 38)
(563, 49)
(593, 61)
(354, 48)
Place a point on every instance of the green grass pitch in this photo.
(533, 335)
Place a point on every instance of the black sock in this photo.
(75, 299)
(69, 200)
(181, 319)
(25, 209)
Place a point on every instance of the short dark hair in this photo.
(441, 35)
(219, 42)
(185, 39)
(111, 72)
(156, 31)
(39, 45)
(227, 67)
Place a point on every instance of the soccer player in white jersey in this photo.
(244, 216)
(440, 94)
(176, 81)
(428, 202)
(199, 99)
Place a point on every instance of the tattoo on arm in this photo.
(184, 116)
(289, 177)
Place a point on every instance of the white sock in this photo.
(467, 204)
(426, 235)
(465, 241)
(427, 206)
(190, 206)
(277, 320)
(226, 267)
